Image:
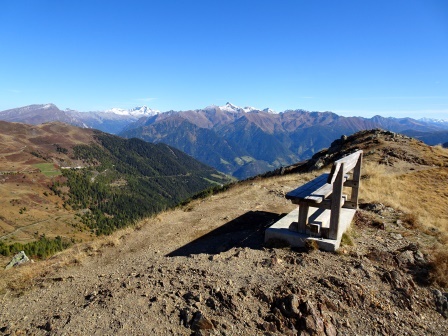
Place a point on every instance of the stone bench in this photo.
(324, 212)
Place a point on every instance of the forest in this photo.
(126, 180)
(39, 249)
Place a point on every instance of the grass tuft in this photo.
(347, 239)
(311, 245)
(439, 266)
(410, 220)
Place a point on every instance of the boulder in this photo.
(441, 301)
(200, 322)
(18, 259)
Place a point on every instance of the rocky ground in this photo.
(204, 269)
(376, 284)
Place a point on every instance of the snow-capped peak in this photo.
(135, 112)
(433, 120)
(249, 109)
(229, 107)
(117, 110)
(143, 110)
(47, 106)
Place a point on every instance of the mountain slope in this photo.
(38, 114)
(62, 180)
(430, 138)
(201, 143)
(203, 268)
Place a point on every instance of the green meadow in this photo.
(47, 169)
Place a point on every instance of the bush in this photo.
(410, 220)
(40, 249)
(439, 267)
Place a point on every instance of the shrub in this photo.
(410, 220)
(347, 240)
(439, 267)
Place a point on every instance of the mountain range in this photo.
(110, 121)
(239, 141)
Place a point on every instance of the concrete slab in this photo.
(286, 228)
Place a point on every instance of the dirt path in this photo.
(203, 270)
(33, 224)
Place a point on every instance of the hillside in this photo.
(203, 268)
(430, 138)
(60, 180)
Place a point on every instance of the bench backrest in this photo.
(347, 163)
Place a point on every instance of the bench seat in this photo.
(314, 191)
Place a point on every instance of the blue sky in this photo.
(356, 57)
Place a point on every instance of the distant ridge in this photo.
(111, 121)
(240, 141)
(246, 142)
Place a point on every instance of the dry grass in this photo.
(439, 266)
(311, 245)
(423, 197)
(20, 279)
(441, 155)
(423, 194)
(347, 239)
(411, 220)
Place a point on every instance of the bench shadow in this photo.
(246, 230)
(316, 214)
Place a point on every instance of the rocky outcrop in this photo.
(19, 259)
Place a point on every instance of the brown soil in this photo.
(204, 269)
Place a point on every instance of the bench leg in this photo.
(336, 200)
(357, 179)
(303, 217)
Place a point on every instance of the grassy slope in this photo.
(29, 161)
(30, 157)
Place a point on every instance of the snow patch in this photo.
(249, 109)
(431, 120)
(268, 110)
(117, 110)
(229, 107)
(138, 111)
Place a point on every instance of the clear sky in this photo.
(358, 57)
